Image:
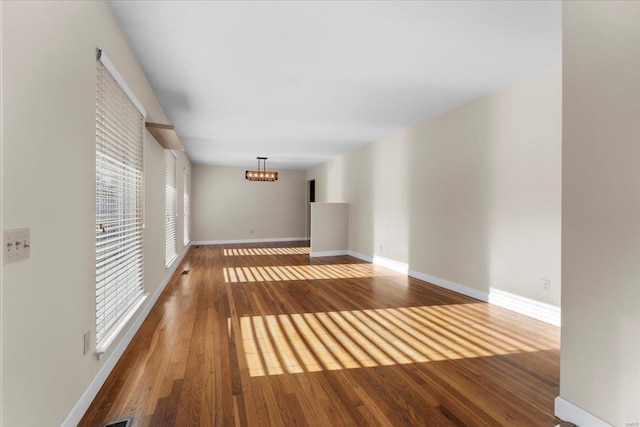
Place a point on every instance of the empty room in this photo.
(320, 213)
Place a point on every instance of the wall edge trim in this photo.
(569, 412)
(82, 404)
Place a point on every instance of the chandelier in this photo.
(262, 174)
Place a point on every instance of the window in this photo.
(171, 205)
(187, 206)
(119, 201)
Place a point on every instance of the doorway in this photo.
(311, 197)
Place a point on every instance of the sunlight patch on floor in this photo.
(302, 272)
(265, 251)
(312, 342)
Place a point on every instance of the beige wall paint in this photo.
(329, 227)
(471, 196)
(49, 78)
(601, 209)
(228, 207)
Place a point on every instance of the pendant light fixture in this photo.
(262, 174)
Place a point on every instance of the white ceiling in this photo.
(303, 82)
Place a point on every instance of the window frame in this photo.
(171, 208)
(119, 203)
(186, 207)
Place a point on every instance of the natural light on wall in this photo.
(311, 342)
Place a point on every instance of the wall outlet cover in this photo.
(545, 285)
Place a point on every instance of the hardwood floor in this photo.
(260, 335)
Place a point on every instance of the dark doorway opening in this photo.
(312, 191)
(311, 197)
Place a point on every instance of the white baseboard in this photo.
(83, 403)
(404, 268)
(529, 307)
(452, 286)
(569, 412)
(327, 253)
(237, 241)
(538, 310)
(360, 256)
(391, 264)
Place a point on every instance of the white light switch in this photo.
(16, 245)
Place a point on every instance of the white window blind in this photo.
(171, 207)
(119, 201)
(187, 206)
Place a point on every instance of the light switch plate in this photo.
(16, 245)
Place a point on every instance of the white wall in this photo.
(600, 368)
(228, 207)
(329, 229)
(48, 162)
(471, 196)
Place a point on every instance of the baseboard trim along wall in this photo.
(236, 241)
(400, 267)
(569, 412)
(83, 403)
(452, 286)
(529, 307)
(391, 264)
(360, 256)
(403, 267)
(327, 253)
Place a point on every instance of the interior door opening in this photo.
(311, 197)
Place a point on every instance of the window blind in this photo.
(187, 206)
(119, 201)
(171, 207)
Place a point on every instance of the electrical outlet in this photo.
(87, 342)
(545, 285)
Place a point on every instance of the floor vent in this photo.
(185, 272)
(126, 422)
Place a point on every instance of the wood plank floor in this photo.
(260, 335)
